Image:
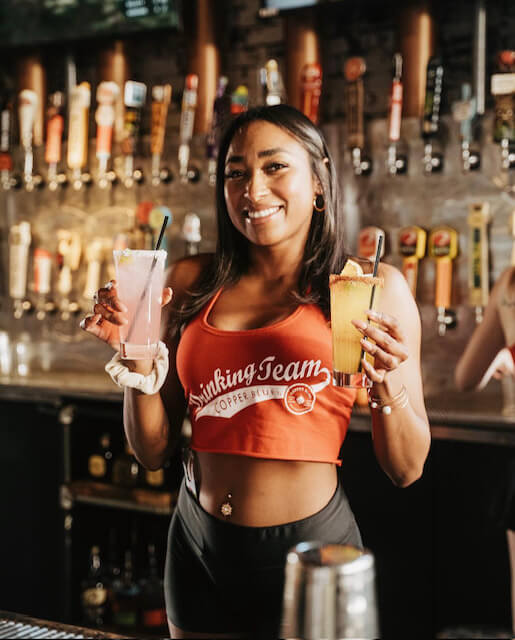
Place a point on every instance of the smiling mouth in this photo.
(262, 213)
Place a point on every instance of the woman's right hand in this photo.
(502, 365)
(109, 314)
(107, 317)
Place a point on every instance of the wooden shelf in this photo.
(107, 495)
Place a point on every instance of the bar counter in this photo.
(15, 625)
(440, 536)
(463, 416)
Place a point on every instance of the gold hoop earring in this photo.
(319, 203)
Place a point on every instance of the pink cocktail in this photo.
(140, 281)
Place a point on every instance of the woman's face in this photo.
(269, 185)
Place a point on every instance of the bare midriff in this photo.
(264, 492)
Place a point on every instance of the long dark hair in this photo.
(324, 252)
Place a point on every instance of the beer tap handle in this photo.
(412, 247)
(368, 242)
(191, 233)
(464, 112)
(27, 108)
(478, 220)
(7, 179)
(161, 97)
(135, 94)
(221, 110)
(274, 87)
(94, 256)
(503, 90)
(433, 160)
(443, 247)
(20, 239)
(512, 229)
(311, 89)
(354, 71)
(42, 282)
(239, 100)
(107, 94)
(54, 140)
(77, 154)
(396, 162)
(189, 106)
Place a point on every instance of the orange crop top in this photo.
(267, 392)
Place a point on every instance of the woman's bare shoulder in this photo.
(185, 272)
(393, 278)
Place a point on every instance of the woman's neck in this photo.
(275, 265)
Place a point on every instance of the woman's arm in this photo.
(402, 438)
(486, 341)
(153, 422)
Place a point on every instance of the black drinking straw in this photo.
(149, 278)
(376, 265)
(373, 292)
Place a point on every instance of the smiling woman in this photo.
(269, 186)
(249, 345)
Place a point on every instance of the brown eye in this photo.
(233, 174)
(275, 166)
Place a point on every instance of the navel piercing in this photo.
(226, 507)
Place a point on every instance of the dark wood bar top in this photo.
(22, 626)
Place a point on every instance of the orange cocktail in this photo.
(350, 300)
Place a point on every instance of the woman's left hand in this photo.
(388, 349)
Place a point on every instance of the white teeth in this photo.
(262, 213)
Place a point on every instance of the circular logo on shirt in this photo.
(299, 398)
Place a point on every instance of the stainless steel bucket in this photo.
(329, 593)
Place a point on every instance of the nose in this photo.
(256, 187)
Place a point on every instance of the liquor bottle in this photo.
(126, 596)
(153, 609)
(94, 591)
(155, 478)
(113, 569)
(100, 462)
(126, 469)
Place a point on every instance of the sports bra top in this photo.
(266, 392)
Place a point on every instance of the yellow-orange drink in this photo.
(350, 300)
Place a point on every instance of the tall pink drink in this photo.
(140, 281)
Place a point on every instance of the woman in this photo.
(253, 362)
(490, 353)
(485, 354)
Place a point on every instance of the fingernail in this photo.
(372, 313)
(82, 323)
(359, 324)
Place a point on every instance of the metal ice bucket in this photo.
(329, 593)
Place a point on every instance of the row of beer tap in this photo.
(466, 112)
(64, 281)
(441, 243)
(77, 162)
(54, 279)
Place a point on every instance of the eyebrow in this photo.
(261, 154)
